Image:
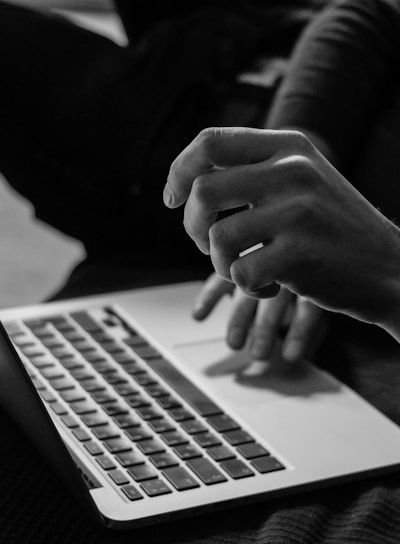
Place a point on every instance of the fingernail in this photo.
(291, 352)
(168, 197)
(199, 311)
(235, 338)
(260, 349)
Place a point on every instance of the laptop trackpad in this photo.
(239, 380)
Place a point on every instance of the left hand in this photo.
(262, 324)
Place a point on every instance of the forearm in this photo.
(340, 74)
(55, 114)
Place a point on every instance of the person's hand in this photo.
(315, 233)
(286, 318)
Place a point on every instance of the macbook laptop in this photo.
(148, 416)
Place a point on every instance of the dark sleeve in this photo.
(59, 119)
(342, 72)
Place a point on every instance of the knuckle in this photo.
(190, 226)
(299, 140)
(202, 190)
(208, 139)
(219, 236)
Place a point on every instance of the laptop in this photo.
(148, 416)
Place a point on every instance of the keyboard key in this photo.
(59, 384)
(180, 414)
(142, 472)
(126, 420)
(58, 408)
(86, 321)
(161, 425)
(115, 445)
(238, 437)
(148, 413)
(69, 421)
(193, 426)
(105, 432)
(93, 448)
(42, 332)
(206, 471)
(71, 362)
(146, 352)
(103, 396)
(102, 366)
(72, 395)
(105, 462)
(41, 361)
(39, 385)
(23, 340)
(82, 345)
(187, 451)
(164, 460)
(138, 433)
(101, 336)
(144, 379)
(61, 324)
(151, 446)
(81, 374)
(220, 453)
(174, 438)
(111, 347)
(73, 335)
(156, 390)
(118, 477)
(180, 478)
(14, 328)
(154, 488)
(131, 492)
(130, 458)
(135, 340)
(61, 353)
(137, 401)
(267, 464)
(32, 350)
(81, 434)
(122, 357)
(236, 469)
(92, 420)
(114, 408)
(83, 407)
(95, 357)
(125, 389)
(51, 341)
(205, 440)
(169, 401)
(52, 372)
(114, 377)
(92, 385)
(222, 423)
(47, 396)
(133, 367)
(251, 450)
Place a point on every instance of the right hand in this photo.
(299, 324)
(319, 237)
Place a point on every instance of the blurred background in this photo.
(34, 259)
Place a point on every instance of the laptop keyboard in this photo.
(146, 425)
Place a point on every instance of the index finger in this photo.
(218, 147)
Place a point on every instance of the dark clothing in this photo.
(88, 129)
(93, 118)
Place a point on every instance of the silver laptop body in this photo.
(147, 415)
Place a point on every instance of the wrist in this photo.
(389, 319)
